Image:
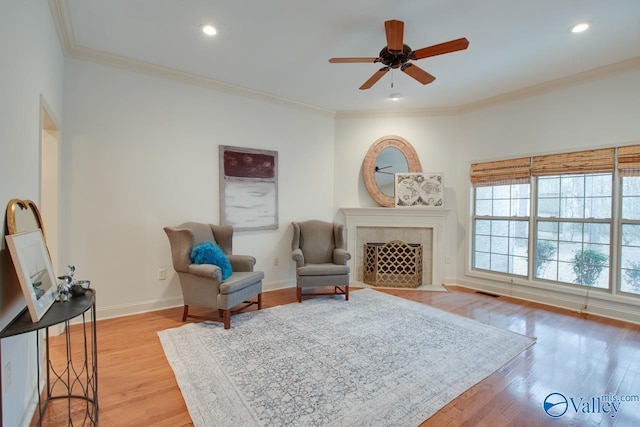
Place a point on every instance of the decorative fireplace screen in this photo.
(394, 264)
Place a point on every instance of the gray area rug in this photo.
(376, 360)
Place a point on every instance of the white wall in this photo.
(32, 64)
(601, 113)
(436, 141)
(141, 153)
(597, 113)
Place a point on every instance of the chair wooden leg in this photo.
(185, 313)
(299, 294)
(260, 301)
(346, 293)
(226, 318)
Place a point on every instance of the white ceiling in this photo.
(282, 47)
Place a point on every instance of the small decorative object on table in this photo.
(71, 286)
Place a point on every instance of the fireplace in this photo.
(422, 226)
(395, 264)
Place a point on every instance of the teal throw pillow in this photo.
(210, 253)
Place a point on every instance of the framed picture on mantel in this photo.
(419, 190)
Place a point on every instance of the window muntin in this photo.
(501, 228)
(573, 223)
(630, 235)
(631, 197)
(575, 196)
(573, 252)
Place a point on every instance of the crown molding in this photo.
(64, 28)
(414, 112)
(627, 65)
(62, 21)
(123, 62)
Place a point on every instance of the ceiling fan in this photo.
(396, 54)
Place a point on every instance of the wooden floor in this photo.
(576, 355)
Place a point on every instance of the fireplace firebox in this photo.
(394, 264)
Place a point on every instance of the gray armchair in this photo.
(321, 259)
(202, 284)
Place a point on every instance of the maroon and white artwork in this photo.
(248, 188)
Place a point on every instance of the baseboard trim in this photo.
(138, 308)
(103, 313)
(581, 304)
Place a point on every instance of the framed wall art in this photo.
(33, 267)
(419, 190)
(248, 188)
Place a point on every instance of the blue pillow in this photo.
(210, 253)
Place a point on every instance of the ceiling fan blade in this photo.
(439, 49)
(417, 73)
(350, 60)
(374, 79)
(395, 33)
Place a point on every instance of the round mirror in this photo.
(386, 157)
(389, 161)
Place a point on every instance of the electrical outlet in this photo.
(162, 274)
(276, 261)
(7, 375)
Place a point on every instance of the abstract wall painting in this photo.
(419, 190)
(248, 188)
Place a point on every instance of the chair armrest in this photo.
(298, 257)
(209, 271)
(341, 256)
(242, 262)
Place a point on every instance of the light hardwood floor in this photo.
(576, 355)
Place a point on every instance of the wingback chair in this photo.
(321, 259)
(202, 284)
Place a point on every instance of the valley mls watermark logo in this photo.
(557, 404)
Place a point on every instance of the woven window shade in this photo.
(629, 161)
(578, 162)
(514, 171)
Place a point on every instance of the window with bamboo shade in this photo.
(574, 195)
(504, 172)
(572, 163)
(629, 160)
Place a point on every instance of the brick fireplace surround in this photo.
(411, 225)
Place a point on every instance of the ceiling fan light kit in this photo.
(396, 54)
(581, 27)
(209, 30)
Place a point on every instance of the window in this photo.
(501, 215)
(501, 228)
(573, 224)
(569, 209)
(630, 235)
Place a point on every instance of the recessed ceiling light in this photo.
(394, 97)
(209, 30)
(579, 28)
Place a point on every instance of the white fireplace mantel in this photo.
(432, 218)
